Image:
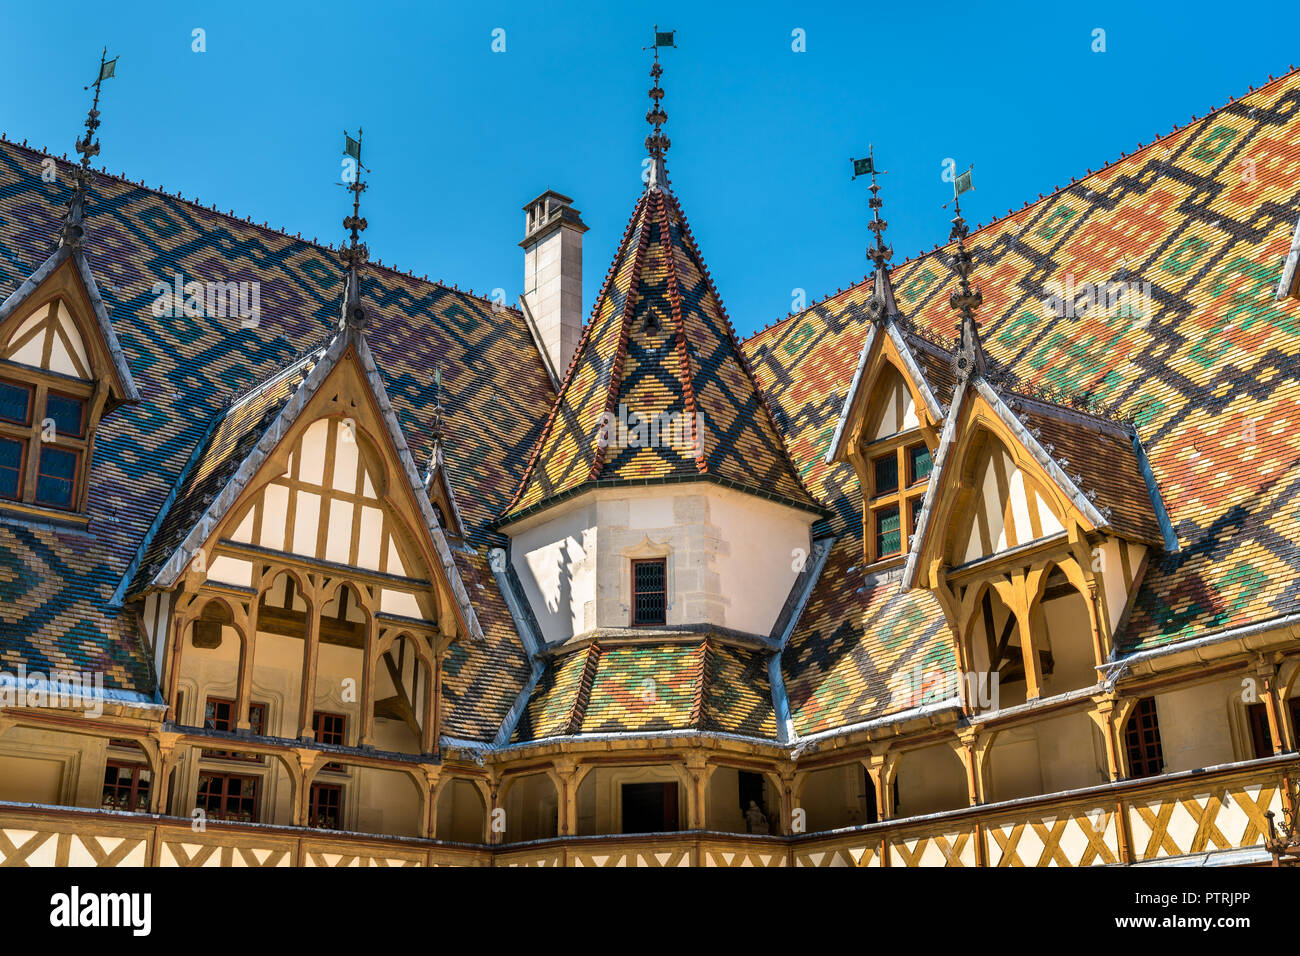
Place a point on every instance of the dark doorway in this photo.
(751, 788)
(649, 807)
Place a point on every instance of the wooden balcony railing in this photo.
(1216, 810)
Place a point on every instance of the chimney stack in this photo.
(552, 296)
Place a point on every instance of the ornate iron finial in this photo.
(435, 429)
(355, 253)
(881, 304)
(73, 231)
(969, 359)
(657, 143)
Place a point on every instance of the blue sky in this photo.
(459, 137)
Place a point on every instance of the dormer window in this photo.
(61, 370)
(42, 444)
(899, 471)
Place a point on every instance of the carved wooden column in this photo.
(973, 748)
(565, 775)
(437, 695)
(1266, 676)
(428, 720)
(427, 783)
(310, 657)
(495, 830)
(370, 657)
(882, 768)
(1103, 715)
(697, 776)
(785, 796)
(247, 654)
(1087, 580)
(169, 754)
(1110, 715)
(302, 771)
(1024, 586)
(177, 621)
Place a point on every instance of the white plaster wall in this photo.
(1014, 765)
(1062, 753)
(835, 797)
(1194, 726)
(731, 557)
(1071, 752)
(1070, 637)
(929, 780)
(556, 563)
(460, 812)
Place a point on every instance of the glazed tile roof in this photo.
(235, 431)
(1211, 378)
(1100, 458)
(644, 687)
(55, 586)
(659, 343)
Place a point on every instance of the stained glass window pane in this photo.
(918, 463)
(68, 414)
(55, 476)
(886, 473)
(11, 464)
(888, 534)
(15, 403)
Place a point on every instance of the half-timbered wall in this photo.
(48, 338)
(1010, 508)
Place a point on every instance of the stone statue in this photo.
(755, 820)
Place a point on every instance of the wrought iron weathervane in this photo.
(73, 231)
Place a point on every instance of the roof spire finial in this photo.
(657, 143)
(969, 360)
(881, 305)
(72, 231)
(435, 429)
(355, 253)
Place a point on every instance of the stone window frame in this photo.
(646, 549)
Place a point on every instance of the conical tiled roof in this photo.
(659, 348)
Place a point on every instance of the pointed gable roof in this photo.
(1099, 468)
(245, 438)
(441, 491)
(659, 346)
(921, 363)
(121, 386)
(231, 437)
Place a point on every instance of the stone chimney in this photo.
(552, 299)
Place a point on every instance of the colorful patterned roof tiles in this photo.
(57, 606)
(1145, 289)
(659, 351)
(1202, 360)
(702, 685)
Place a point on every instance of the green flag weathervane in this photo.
(72, 231)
